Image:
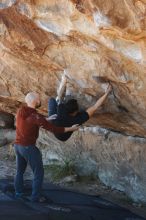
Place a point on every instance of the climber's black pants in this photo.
(52, 106)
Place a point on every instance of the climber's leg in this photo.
(62, 88)
(53, 103)
(52, 106)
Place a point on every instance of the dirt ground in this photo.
(92, 187)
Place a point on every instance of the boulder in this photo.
(41, 39)
(89, 40)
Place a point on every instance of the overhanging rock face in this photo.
(40, 39)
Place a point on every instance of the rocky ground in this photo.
(85, 184)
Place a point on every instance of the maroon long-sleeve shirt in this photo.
(28, 122)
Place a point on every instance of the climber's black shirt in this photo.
(65, 120)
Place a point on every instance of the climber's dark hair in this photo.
(72, 106)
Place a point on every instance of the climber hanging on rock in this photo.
(65, 111)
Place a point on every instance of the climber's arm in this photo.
(91, 110)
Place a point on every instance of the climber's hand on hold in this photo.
(109, 89)
(91, 110)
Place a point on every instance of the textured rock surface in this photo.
(6, 136)
(39, 39)
(6, 120)
(118, 160)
